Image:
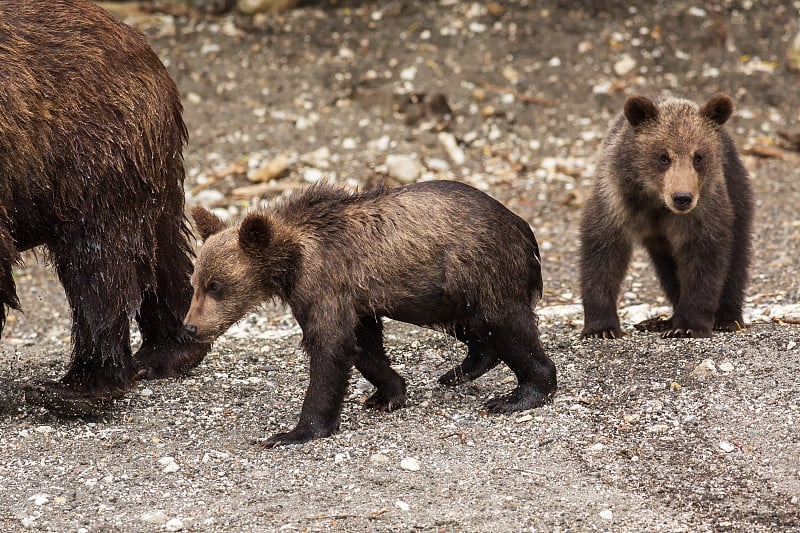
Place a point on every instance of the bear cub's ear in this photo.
(718, 109)
(639, 109)
(255, 234)
(207, 222)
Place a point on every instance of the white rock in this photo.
(726, 446)
(145, 392)
(793, 54)
(154, 517)
(704, 370)
(450, 145)
(408, 74)
(378, 459)
(602, 87)
(208, 197)
(409, 463)
(39, 499)
(341, 457)
(403, 506)
(624, 65)
(210, 48)
(312, 175)
(176, 524)
(606, 514)
(477, 27)
(381, 144)
(320, 158)
(251, 7)
(437, 164)
(403, 168)
(725, 366)
(44, 429)
(169, 465)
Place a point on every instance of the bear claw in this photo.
(385, 402)
(687, 333)
(608, 333)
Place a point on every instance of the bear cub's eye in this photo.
(697, 161)
(214, 287)
(664, 160)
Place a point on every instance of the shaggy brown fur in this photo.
(438, 254)
(91, 168)
(670, 177)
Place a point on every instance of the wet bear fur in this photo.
(669, 177)
(91, 170)
(437, 254)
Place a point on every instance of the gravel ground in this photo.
(512, 97)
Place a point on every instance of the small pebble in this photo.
(403, 506)
(606, 514)
(403, 168)
(378, 459)
(625, 65)
(312, 175)
(154, 517)
(176, 524)
(341, 457)
(39, 499)
(450, 145)
(726, 446)
(704, 370)
(409, 463)
(169, 465)
(725, 366)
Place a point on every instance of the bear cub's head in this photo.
(679, 147)
(237, 269)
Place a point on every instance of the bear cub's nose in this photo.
(191, 329)
(682, 200)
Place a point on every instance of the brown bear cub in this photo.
(438, 254)
(91, 169)
(669, 176)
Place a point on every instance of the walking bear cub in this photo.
(91, 137)
(438, 254)
(669, 177)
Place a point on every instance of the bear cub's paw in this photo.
(299, 435)
(158, 362)
(520, 399)
(386, 401)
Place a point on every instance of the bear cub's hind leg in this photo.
(478, 361)
(516, 342)
(372, 362)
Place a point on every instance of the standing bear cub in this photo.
(438, 254)
(669, 177)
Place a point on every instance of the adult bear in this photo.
(91, 169)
